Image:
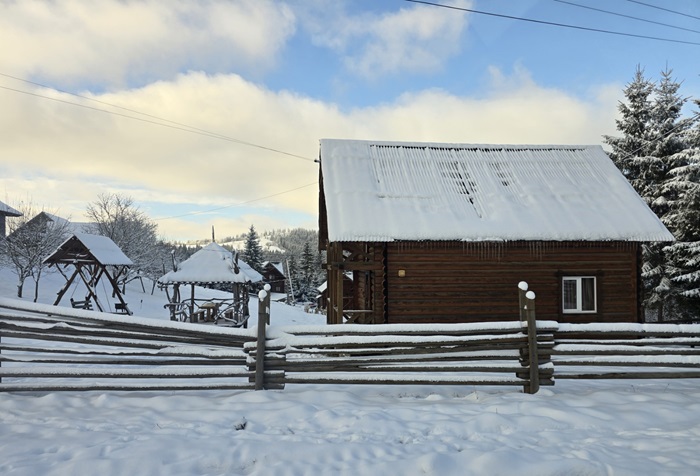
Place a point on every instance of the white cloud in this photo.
(116, 42)
(64, 156)
(417, 38)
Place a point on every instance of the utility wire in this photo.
(164, 123)
(690, 121)
(664, 9)
(626, 16)
(200, 212)
(563, 25)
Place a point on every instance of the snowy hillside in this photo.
(574, 428)
(266, 244)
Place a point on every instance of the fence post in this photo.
(522, 289)
(263, 321)
(533, 357)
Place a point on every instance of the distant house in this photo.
(46, 218)
(445, 232)
(273, 274)
(6, 211)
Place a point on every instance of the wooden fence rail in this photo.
(47, 348)
(629, 351)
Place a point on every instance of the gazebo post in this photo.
(192, 316)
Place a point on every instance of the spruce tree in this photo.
(683, 188)
(653, 134)
(252, 252)
(307, 274)
(634, 124)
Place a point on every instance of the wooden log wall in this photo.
(466, 282)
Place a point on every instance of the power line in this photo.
(201, 212)
(690, 121)
(563, 25)
(664, 9)
(626, 16)
(166, 123)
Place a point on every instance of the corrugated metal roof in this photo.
(386, 191)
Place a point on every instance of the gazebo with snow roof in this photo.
(92, 257)
(436, 232)
(212, 266)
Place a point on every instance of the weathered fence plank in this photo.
(55, 349)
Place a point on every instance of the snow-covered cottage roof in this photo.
(276, 265)
(7, 210)
(386, 191)
(212, 264)
(72, 226)
(83, 246)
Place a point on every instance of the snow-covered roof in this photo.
(75, 227)
(212, 264)
(275, 264)
(386, 191)
(7, 210)
(100, 247)
(324, 285)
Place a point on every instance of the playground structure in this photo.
(94, 259)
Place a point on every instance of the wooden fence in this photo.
(94, 351)
(48, 348)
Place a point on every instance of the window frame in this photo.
(578, 279)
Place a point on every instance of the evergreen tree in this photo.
(683, 188)
(653, 135)
(252, 252)
(307, 274)
(634, 124)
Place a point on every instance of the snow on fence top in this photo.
(386, 191)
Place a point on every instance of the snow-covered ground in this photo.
(573, 428)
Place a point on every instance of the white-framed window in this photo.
(579, 294)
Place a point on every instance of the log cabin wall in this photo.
(465, 282)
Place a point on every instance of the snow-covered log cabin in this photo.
(445, 232)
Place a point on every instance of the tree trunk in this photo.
(36, 286)
(20, 286)
(660, 313)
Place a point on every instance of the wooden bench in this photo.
(86, 304)
(198, 316)
(120, 308)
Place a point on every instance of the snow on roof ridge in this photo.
(387, 191)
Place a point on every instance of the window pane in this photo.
(588, 294)
(569, 294)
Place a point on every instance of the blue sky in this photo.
(284, 74)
